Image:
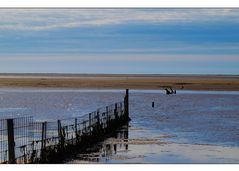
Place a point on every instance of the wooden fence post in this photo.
(11, 142)
(98, 116)
(59, 128)
(90, 126)
(76, 131)
(61, 140)
(43, 140)
(90, 119)
(126, 104)
(98, 119)
(45, 128)
(115, 111)
(107, 116)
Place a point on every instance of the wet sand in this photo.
(154, 150)
(104, 81)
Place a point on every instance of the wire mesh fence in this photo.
(3, 141)
(32, 138)
(23, 136)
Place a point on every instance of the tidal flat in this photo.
(188, 127)
(122, 81)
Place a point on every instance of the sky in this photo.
(119, 41)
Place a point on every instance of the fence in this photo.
(25, 141)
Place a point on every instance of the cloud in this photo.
(50, 19)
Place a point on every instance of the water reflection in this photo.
(102, 152)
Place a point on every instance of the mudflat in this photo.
(122, 81)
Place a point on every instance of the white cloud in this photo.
(48, 19)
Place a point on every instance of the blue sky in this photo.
(157, 41)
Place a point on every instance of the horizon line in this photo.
(117, 74)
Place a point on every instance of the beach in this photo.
(122, 81)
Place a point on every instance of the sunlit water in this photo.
(189, 127)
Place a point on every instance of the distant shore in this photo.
(121, 81)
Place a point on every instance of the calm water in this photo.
(189, 127)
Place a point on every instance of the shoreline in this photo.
(137, 82)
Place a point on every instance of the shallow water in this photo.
(189, 127)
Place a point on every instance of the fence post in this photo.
(90, 122)
(116, 112)
(43, 139)
(11, 142)
(45, 134)
(107, 116)
(59, 128)
(90, 119)
(98, 117)
(126, 104)
(76, 131)
(42, 136)
(60, 134)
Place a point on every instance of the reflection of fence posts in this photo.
(11, 142)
